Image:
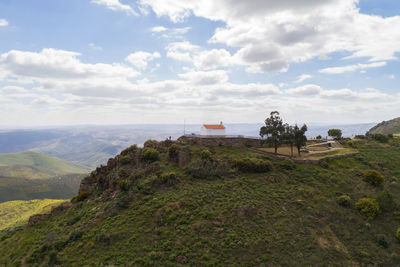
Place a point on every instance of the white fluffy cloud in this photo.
(158, 29)
(141, 59)
(3, 23)
(116, 5)
(350, 68)
(308, 89)
(270, 35)
(52, 64)
(302, 78)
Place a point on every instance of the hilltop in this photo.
(185, 203)
(34, 165)
(386, 127)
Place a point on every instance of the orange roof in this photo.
(214, 126)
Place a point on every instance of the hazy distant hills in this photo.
(34, 165)
(31, 175)
(387, 127)
(93, 145)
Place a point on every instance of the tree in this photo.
(288, 137)
(273, 129)
(300, 138)
(319, 137)
(335, 133)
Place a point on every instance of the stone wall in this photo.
(224, 141)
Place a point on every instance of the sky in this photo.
(71, 62)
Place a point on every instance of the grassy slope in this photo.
(33, 165)
(63, 187)
(387, 127)
(17, 213)
(296, 222)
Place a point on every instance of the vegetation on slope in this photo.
(386, 127)
(188, 205)
(17, 213)
(61, 187)
(33, 165)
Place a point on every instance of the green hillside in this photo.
(386, 127)
(190, 205)
(33, 165)
(17, 213)
(60, 187)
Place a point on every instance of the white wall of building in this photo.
(213, 132)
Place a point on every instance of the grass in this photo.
(33, 165)
(285, 217)
(17, 213)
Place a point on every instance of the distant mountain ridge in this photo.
(34, 165)
(386, 127)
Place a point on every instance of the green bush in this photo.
(344, 201)
(287, 164)
(398, 234)
(125, 185)
(373, 177)
(208, 169)
(173, 152)
(382, 240)
(123, 174)
(385, 201)
(369, 207)
(169, 178)
(150, 155)
(124, 160)
(128, 150)
(151, 144)
(252, 165)
(205, 155)
(383, 138)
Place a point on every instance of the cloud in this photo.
(159, 29)
(351, 68)
(95, 47)
(116, 5)
(391, 76)
(181, 51)
(271, 35)
(3, 23)
(302, 78)
(214, 58)
(205, 77)
(140, 59)
(308, 89)
(52, 66)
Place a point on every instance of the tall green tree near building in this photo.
(273, 130)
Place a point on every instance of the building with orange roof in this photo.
(213, 129)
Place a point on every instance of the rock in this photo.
(37, 218)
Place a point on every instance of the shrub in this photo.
(123, 174)
(373, 177)
(208, 169)
(205, 155)
(398, 234)
(319, 137)
(287, 164)
(382, 240)
(151, 144)
(125, 185)
(344, 201)
(173, 152)
(169, 178)
(383, 138)
(124, 160)
(128, 150)
(252, 165)
(369, 207)
(150, 155)
(385, 201)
